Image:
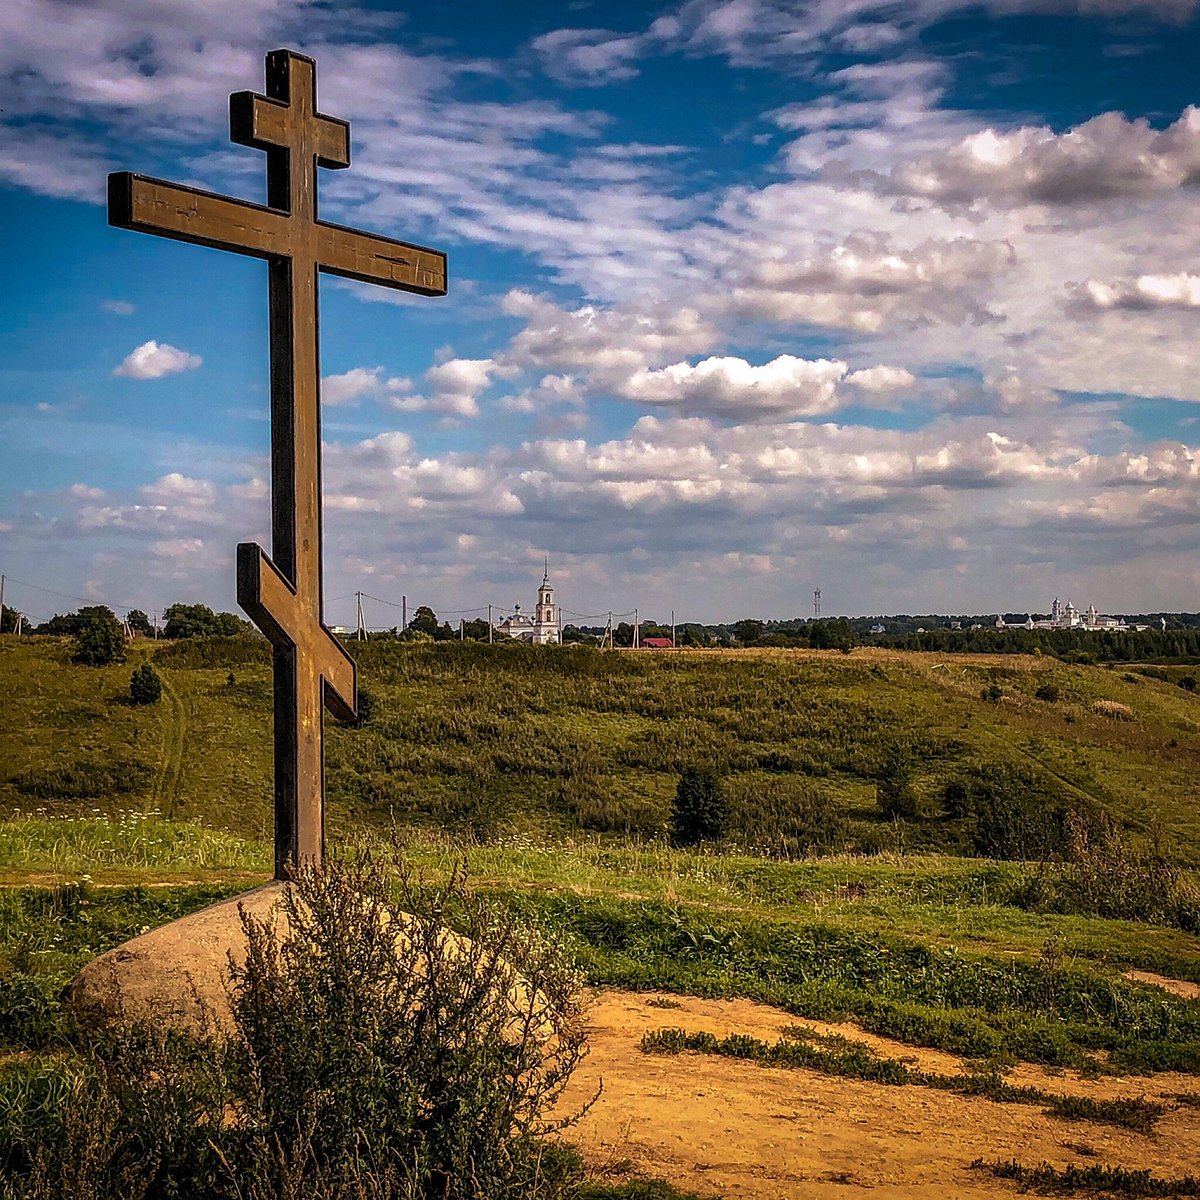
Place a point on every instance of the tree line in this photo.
(101, 630)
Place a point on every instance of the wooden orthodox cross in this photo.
(284, 596)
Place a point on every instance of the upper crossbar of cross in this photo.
(297, 139)
(283, 592)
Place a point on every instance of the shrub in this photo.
(956, 800)
(1047, 692)
(100, 642)
(1113, 709)
(700, 812)
(1105, 873)
(1014, 819)
(145, 687)
(992, 693)
(364, 1064)
(895, 796)
(1188, 683)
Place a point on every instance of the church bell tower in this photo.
(545, 629)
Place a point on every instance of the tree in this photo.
(895, 796)
(748, 631)
(145, 687)
(139, 622)
(424, 621)
(198, 620)
(700, 812)
(100, 641)
(69, 624)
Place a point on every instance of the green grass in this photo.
(559, 741)
(832, 1054)
(128, 843)
(1000, 1008)
(1115, 1181)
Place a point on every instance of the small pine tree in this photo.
(895, 796)
(700, 812)
(100, 642)
(145, 687)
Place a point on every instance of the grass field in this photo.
(552, 773)
(540, 741)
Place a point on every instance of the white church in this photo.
(542, 629)
(1069, 617)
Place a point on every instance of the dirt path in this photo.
(1177, 987)
(733, 1129)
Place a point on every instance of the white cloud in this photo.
(351, 386)
(604, 342)
(452, 387)
(119, 308)
(1143, 293)
(588, 56)
(882, 380)
(1105, 158)
(151, 360)
(732, 387)
(866, 283)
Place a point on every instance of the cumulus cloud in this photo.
(452, 387)
(1105, 158)
(866, 283)
(1143, 293)
(882, 380)
(732, 387)
(605, 342)
(152, 360)
(351, 386)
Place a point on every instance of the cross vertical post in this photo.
(283, 594)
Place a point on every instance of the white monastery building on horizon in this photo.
(543, 628)
(1069, 617)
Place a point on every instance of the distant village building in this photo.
(657, 643)
(1069, 617)
(540, 630)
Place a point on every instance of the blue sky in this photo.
(747, 297)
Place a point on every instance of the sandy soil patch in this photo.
(1177, 987)
(735, 1129)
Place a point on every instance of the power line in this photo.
(69, 596)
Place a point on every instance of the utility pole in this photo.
(635, 629)
(462, 629)
(155, 627)
(672, 629)
(1, 603)
(489, 624)
(403, 612)
(816, 602)
(608, 633)
(361, 631)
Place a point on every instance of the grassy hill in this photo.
(553, 741)
(559, 767)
